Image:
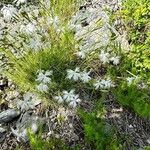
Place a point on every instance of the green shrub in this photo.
(134, 98)
(136, 15)
(98, 134)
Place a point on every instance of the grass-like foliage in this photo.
(57, 58)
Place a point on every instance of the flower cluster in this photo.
(43, 78)
(35, 32)
(29, 31)
(76, 75)
(106, 58)
(69, 97)
(103, 84)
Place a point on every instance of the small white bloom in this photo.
(104, 84)
(85, 76)
(75, 75)
(98, 85)
(68, 96)
(42, 87)
(44, 77)
(104, 57)
(108, 83)
(73, 104)
(115, 60)
(75, 101)
(71, 97)
(8, 12)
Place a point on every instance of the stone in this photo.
(8, 115)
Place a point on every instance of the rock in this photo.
(8, 115)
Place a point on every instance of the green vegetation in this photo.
(134, 98)
(37, 143)
(104, 70)
(136, 15)
(98, 134)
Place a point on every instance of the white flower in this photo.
(108, 83)
(44, 77)
(8, 12)
(18, 2)
(85, 76)
(115, 60)
(59, 99)
(130, 80)
(104, 57)
(68, 96)
(30, 28)
(71, 97)
(42, 87)
(97, 84)
(75, 75)
(104, 84)
(75, 101)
